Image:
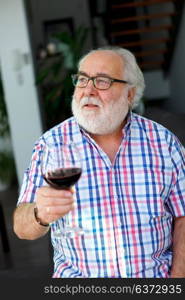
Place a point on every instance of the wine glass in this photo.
(61, 168)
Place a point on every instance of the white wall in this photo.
(18, 81)
(177, 74)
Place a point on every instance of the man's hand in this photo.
(53, 204)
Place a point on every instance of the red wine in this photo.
(63, 178)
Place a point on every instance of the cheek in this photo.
(76, 93)
(115, 95)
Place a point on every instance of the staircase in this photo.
(148, 28)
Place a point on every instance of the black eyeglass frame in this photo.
(112, 80)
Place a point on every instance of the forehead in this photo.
(102, 62)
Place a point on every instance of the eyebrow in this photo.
(98, 74)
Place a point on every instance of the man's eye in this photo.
(82, 79)
(102, 81)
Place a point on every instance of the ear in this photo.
(131, 94)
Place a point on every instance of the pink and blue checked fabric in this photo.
(126, 208)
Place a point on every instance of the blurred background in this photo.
(40, 44)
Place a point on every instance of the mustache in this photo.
(90, 100)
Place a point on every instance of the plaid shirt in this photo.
(126, 208)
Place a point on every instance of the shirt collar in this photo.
(127, 126)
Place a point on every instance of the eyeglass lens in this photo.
(98, 81)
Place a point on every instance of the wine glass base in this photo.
(69, 232)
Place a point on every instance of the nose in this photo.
(90, 89)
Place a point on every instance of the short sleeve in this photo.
(176, 201)
(32, 179)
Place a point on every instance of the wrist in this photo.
(38, 220)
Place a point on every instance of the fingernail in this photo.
(72, 189)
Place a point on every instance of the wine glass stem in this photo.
(67, 220)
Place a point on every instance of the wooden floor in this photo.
(33, 259)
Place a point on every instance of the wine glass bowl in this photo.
(61, 168)
(63, 178)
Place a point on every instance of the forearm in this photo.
(24, 223)
(178, 263)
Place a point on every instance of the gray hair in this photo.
(132, 72)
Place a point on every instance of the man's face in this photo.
(101, 111)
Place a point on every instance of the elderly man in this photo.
(130, 199)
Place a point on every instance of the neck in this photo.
(109, 143)
(117, 135)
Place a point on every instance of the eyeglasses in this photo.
(99, 82)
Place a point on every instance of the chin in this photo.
(99, 122)
(96, 127)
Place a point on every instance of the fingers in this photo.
(51, 192)
(53, 204)
(59, 211)
(52, 196)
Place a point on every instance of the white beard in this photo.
(103, 120)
